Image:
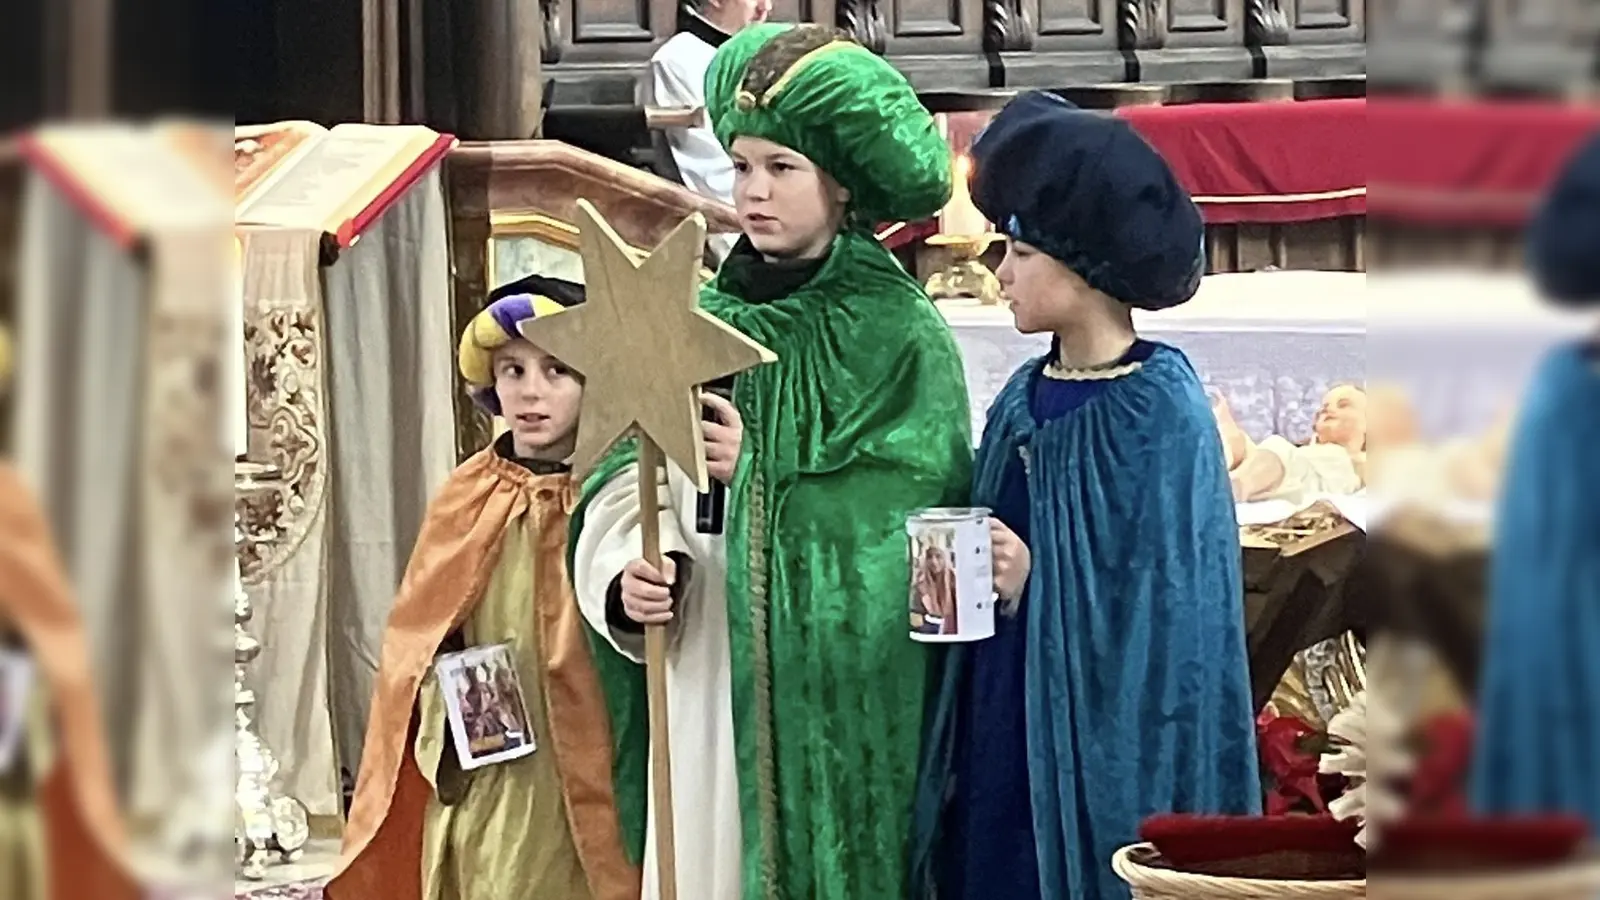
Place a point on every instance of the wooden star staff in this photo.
(645, 348)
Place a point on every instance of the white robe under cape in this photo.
(705, 786)
(677, 81)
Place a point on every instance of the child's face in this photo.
(1045, 295)
(539, 400)
(788, 207)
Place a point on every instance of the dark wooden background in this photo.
(410, 60)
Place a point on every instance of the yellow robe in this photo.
(490, 561)
(506, 836)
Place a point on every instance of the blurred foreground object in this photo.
(267, 821)
(123, 267)
(60, 832)
(1562, 240)
(1539, 748)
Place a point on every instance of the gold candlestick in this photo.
(268, 822)
(966, 234)
(966, 277)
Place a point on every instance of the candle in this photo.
(960, 217)
(238, 366)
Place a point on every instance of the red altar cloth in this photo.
(1470, 163)
(1264, 162)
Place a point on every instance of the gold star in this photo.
(642, 344)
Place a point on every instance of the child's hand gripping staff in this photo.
(644, 349)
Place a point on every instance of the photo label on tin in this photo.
(952, 574)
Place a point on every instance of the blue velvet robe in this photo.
(1122, 687)
(1538, 739)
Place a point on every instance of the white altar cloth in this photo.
(1271, 343)
(1461, 343)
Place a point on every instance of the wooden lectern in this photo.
(514, 212)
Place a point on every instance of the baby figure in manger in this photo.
(1333, 462)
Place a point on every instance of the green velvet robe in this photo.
(863, 420)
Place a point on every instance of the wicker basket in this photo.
(1140, 866)
(1574, 881)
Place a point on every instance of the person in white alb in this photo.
(677, 81)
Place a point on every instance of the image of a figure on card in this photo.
(933, 582)
(487, 710)
(492, 723)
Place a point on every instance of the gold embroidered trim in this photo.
(1057, 372)
(766, 754)
(789, 74)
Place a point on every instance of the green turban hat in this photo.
(826, 97)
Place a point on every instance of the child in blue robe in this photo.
(1538, 744)
(1116, 685)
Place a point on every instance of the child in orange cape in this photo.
(490, 568)
(60, 833)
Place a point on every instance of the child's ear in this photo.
(842, 194)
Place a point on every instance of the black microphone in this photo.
(710, 507)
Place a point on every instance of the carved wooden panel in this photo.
(794, 11)
(1325, 21)
(1197, 15)
(600, 21)
(1205, 23)
(1421, 20)
(926, 18)
(1068, 25)
(1071, 17)
(1564, 24)
(952, 27)
(1336, 245)
(1314, 14)
(615, 30)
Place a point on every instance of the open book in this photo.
(133, 180)
(336, 181)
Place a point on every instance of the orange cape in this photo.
(83, 829)
(455, 555)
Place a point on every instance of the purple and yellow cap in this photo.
(496, 326)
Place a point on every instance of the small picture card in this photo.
(488, 716)
(16, 681)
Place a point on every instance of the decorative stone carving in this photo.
(550, 41)
(1141, 24)
(1006, 27)
(1265, 23)
(863, 21)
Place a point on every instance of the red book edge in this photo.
(352, 229)
(122, 232)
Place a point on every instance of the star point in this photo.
(642, 344)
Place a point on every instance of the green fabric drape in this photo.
(863, 420)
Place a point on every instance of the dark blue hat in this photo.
(1085, 188)
(1564, 237)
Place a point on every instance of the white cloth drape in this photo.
(76, 435)
(391, 379)
(699, 680)
(114, 354)
(677, 81)
(352, 397)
